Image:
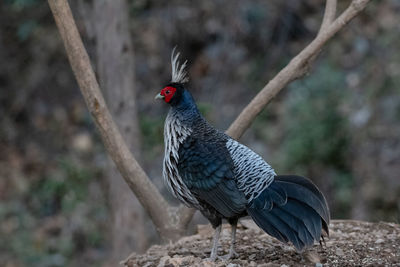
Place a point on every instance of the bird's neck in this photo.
(186, 111)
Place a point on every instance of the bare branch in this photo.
(296, 68)
(131, 171)
(329, 15)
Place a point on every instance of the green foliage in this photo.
(205, 109)
(265, 130)
(41, 232)
(343, 186)
(63, 191)
(256, 73)
(26, 26)
(21, 4)
(152, 129)
(316, 132)
(25, 29)
(137, 7)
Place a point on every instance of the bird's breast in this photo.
(175, 133)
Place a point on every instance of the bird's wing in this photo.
(207, 170)
(253, 175)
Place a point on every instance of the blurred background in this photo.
(61, 201)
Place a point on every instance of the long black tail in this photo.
(292, 209)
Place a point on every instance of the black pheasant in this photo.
(208, 170)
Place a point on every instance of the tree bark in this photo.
(107, 22)
(115, 67)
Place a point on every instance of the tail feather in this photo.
(267, 226)
(291, 209)
(274, 194)
(276, 219)
(303, 182)
(308, 193)
(278, 228)
(296, 225)
(306, 215)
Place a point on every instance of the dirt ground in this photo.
(351, 243)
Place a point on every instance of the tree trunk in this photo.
(109, 25)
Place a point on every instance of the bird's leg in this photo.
(232, 253)
(214, 249)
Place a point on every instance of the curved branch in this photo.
(297, 67)
(131, 171)
(329, 15)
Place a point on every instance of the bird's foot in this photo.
(213, 257)
(231, 255)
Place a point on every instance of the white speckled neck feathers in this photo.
(175, 132)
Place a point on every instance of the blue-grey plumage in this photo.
(208, 170)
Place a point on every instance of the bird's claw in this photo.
(213, 257)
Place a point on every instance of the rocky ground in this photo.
(351, 243)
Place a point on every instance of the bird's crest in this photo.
(178, 71)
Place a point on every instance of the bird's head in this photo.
(174, 93)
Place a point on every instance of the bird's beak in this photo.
(159, 96)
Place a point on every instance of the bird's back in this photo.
(252, 173)
(205, 167)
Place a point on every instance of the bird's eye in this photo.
(167, 92)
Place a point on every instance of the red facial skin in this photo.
(168, 92)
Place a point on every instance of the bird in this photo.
(225, 180)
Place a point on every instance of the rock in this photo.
(270, 264)
(177, 261)
(163, 260)
(252, 264)
(312, 256)
(207, 263)
(339, 252)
